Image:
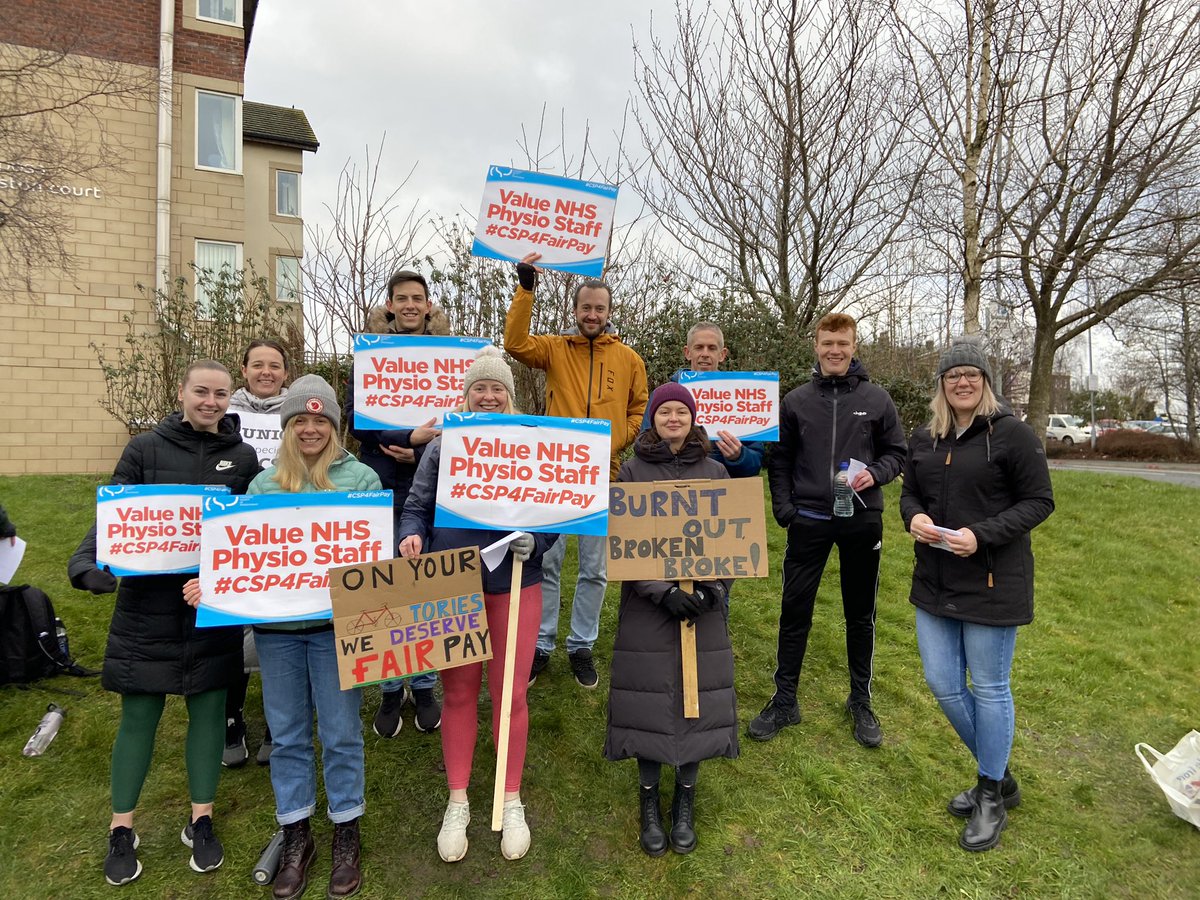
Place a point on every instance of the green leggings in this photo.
(134, 746)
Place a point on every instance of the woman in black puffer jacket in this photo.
(154, 647)
(645, 701)
(976, 484)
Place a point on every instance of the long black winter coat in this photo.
(992, 479)
(645, 698)
(154, 646)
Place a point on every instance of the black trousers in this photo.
(859, 539)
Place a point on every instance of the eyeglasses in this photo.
(972, 377)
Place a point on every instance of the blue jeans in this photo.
(983, 713)
(300, 674)
(589, 593)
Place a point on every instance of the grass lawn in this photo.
(1111, 659)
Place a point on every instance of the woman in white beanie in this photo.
(488, 387)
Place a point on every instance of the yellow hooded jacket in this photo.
(595, 379)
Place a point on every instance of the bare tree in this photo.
(1073, 129)
(52, 135)
(370, 236)
(778, 151)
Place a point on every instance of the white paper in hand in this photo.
(493, 554)
(11, 554)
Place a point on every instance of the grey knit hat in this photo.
(311, 394)
(965, 350)
(489, 364)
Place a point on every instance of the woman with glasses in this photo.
(976, 484)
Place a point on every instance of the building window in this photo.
(214, 258)
(218, 131)
(287, 279)
(287, 193)
(227, 11)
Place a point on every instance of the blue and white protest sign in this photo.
(404, 380)
(523, 473)
(746, 404)
(266, 557)
(150, 529)
(568, 221)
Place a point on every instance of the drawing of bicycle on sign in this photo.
(369, 619)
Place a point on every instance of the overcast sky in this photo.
(451, 83)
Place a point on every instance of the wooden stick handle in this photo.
(510, 657)
(687, 645)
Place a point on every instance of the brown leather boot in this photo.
(345, 879)
(298, 852)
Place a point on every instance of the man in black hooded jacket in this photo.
(837, 416)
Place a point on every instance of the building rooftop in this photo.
(283, 125)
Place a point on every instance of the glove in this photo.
(98, 581)
(707, 598)
(527, 276)
(522, 546)
(680, 604)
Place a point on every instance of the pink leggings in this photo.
(460, 686)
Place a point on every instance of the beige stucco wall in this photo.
(53, 418)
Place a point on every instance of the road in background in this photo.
(1176, 473)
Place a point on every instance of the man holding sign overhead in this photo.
(590, 373)
(837, 417)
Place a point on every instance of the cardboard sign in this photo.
(569, 222)
(523, 473)
(680, 531)
(151, 529)
(266, 557)
(399, 617)
(263, 432)
(404, 380)
(746, 404)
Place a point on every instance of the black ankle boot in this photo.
(987, 820)
(654, 839)
(683, 809)
(964, 804)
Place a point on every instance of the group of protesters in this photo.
(975, 483)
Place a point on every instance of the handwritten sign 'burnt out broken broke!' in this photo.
(399, 617)
(699, 530)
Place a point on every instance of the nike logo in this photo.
(223, 465)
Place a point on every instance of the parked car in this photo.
(1062, 427)
(1175, 431)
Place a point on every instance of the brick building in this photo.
(230, 194)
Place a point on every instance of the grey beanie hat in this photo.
(489, 364)
(311, 394)
(965, 350)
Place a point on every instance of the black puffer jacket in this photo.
(826, 422)
(992, 479)
(645, 698)
(154, 646)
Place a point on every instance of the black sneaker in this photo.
(541, 659)
(235, 754)
(388, 720)
(584, 668)
(207, 852)
(866, 727)
(429, 711)
(121, 866)
(772, 720)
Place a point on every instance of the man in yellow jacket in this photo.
(590, 374)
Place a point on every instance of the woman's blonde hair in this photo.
(292, 472)
(943, 423)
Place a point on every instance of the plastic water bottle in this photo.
(45, 732)
(267, 866)
(843, 496)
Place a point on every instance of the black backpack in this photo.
(29, 638)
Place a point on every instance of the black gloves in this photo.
(98, 581)
(527, 276)
(681, 604)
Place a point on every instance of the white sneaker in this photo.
(452, 839)
(514, 841)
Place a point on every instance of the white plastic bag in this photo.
(1178, 774)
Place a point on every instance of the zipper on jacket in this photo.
(833, 462)
(591, 373)
(988, 556)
